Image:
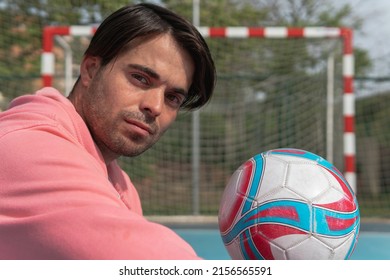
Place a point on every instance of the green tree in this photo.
(21, 24)
(294, 73)
(288, 13)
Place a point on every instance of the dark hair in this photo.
(141, 20)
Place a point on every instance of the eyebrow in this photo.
(146, 70)
(156, 76)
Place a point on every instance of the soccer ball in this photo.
(288, 204)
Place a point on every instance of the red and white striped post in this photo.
(348, 72)
(248, 32)
(49, 32)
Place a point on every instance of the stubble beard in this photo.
(127, 143)
(110, 133)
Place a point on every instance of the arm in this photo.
(56, 202)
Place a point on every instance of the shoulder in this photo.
(46, 106)
(46, 110)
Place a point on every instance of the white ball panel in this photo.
(341, 244)
(307, 180)
(273, 176)
(331, 195)
(310, 249)
(290, 240)
(278, 253)
(234, 250)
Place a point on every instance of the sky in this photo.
(375, 35)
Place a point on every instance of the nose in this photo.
(152, 101)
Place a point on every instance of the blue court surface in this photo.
(373, 242)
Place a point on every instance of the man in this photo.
(62, 194)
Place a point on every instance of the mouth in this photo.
(140, 127)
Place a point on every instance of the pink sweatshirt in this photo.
(58, 199)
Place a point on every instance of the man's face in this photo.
(129, 103)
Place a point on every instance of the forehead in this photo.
(151, 43)
(162, 54)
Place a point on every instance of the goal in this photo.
(277, 87)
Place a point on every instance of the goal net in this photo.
(277, 87)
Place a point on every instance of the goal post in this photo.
(240, 133)
(344, 34)
(48, 40)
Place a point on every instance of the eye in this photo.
(140, 79)
(175, 99)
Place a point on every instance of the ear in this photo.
(88, 69)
